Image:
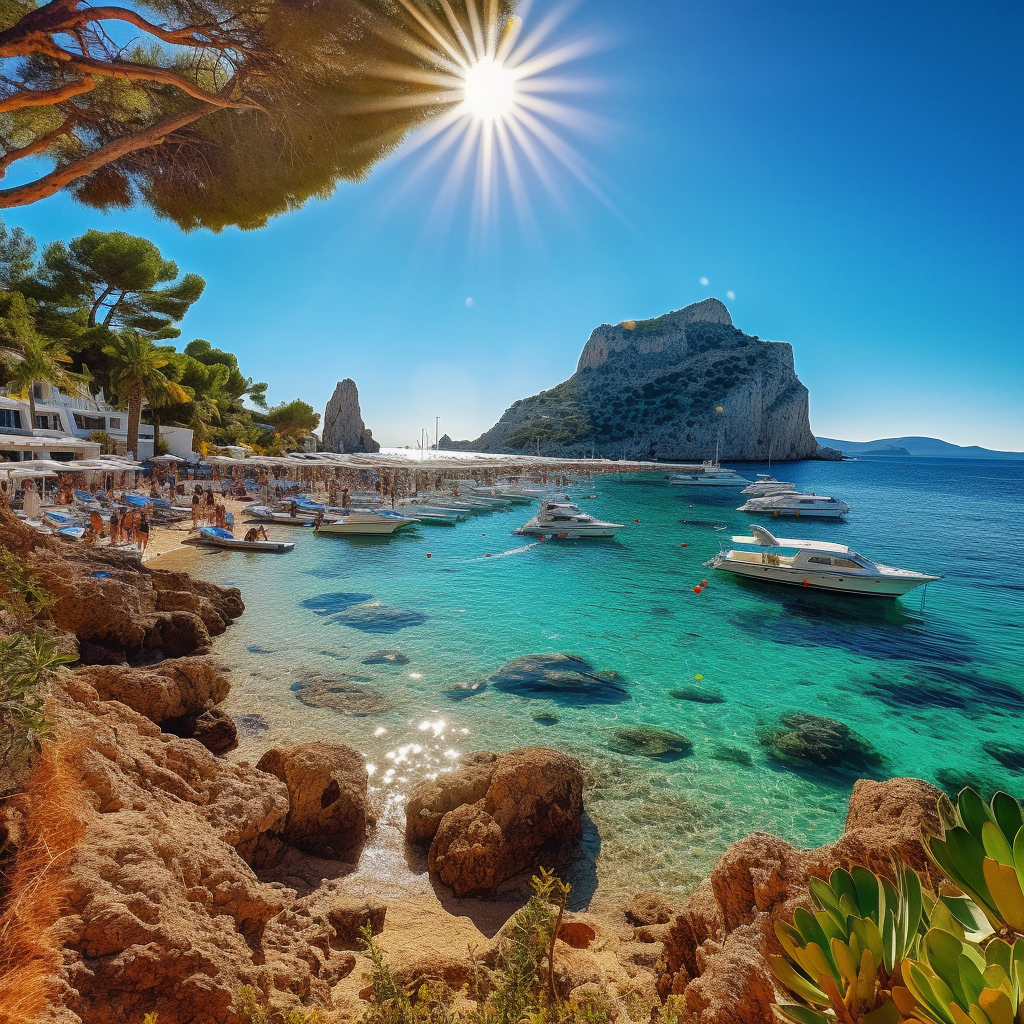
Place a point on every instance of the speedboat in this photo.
(767, 484)
(218, 537)
(816, 565)
(710, 474)
(365, 522)
(794, 503)
(567, 522)
(265, 514)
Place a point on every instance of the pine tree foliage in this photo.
(218, 112)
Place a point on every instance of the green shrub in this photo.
(248, 1006)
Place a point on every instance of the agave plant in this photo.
(954, 982)
(982, 853)
(842, 960)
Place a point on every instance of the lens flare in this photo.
(501, 124)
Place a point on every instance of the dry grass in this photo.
(37, 886)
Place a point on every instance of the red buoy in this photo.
(487, 556)
(703, 583)
(636, 520)
(696, 590)
(428, 555)
(684, 545)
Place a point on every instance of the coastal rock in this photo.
(122, 609)
(326, 797)
(648, 741)
(806, 739)
(216, 730)
(716, 949)
(698, 694)
(171, 689)
(340, 693)
(670, 388)
(164, 915)
(648, 908)
(488, 820)
(343, 427)
(560, 677)
(348, 916)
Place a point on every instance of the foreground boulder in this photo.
(716, 950)
(494, 816)
(326, 797)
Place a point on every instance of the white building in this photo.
(60, 417)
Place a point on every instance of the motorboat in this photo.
(795, 503)
(504, 495)
(218, 537)
(710, 474)
(816, 565)
(265, 514)
(767, 484)
(567, 522)
(365, 522)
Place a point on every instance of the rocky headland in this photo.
(670, 388)
(145, 873)
(343, 427)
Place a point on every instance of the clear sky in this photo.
(851, 171)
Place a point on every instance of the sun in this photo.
(489, 90)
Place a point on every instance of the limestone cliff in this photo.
(344, 430)
(668, 388)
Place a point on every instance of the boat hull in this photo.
(362, 529)
(569, 533)
(271, 546)
(795, 513)
(864, 586)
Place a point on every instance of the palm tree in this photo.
(137, 376)
(39, 360)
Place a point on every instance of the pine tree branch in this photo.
(41, 188)
(36, 145)
(46, 98)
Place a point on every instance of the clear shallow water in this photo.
(927, 689)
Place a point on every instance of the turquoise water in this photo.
(929, 688)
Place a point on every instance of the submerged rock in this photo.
(1007, 756)
(649, 741)
(560, 677)
(460, 691)
(802, 738)
(733, 755)
(252, 725)
(386, 658)
(546, 718)
(340, 693)
(496, 814)
(374, 617)
(698, 694)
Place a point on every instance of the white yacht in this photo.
(710, 474)
(365, 522)
(794, 503)
(567, 522)
(816, 565)
(767, 484)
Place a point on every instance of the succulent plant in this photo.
(842, 960)
(982, 852)
(954, 982)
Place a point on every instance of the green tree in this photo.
(115, 280)
(30, 357)
(17, 256)
(292, 419)
(137, 375)
(236, 385)
(224, 113)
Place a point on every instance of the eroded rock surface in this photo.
(489, 819)
(343, 427)
(716, 949)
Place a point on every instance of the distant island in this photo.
(917, 447)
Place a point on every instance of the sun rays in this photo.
(503, 126)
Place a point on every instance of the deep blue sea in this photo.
(929, 687)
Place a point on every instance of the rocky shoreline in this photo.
(174, 876)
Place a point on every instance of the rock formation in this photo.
(715, 952)
(488, 820)
(670, 388)
(344, 430)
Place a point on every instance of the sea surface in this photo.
(929, 683)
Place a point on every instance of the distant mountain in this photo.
(920, 447)
(671, 388)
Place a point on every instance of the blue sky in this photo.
(851, 171)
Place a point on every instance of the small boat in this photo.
(567, 522)
(218, 537)
(61, 520)
(767, 484)
(710, 474)
(265, 514)
(816, 565)
(365, 522)
(504, 495)
(794, 503)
